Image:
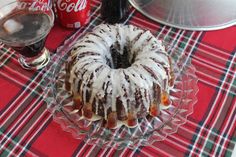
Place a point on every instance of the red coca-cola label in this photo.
(73, 13)
(32, 5)
(49, 2)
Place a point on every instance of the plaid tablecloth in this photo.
(28, 129)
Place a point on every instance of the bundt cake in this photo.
(119, 73)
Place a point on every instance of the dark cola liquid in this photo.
(35, 25)
(114, 11)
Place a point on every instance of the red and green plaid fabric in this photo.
(28, 129)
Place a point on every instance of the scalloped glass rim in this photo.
(149, 130)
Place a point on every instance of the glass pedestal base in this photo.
(35, 63)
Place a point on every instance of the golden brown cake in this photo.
(119, 73)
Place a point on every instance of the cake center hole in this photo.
(119, 60)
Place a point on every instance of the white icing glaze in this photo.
(150, 61)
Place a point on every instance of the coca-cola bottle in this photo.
(114, 11)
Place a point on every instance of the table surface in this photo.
(28, 129)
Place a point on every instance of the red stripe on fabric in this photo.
(203, 102)
(111, 152)
(8, 90)
(87, 150)
(136, 153)
(170, 147)
(56, 142)
(160, 152)
(100, 152)
(222, 38)
(83, 150)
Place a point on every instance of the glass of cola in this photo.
(24, 26)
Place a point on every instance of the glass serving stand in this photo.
(189, 14)
(148, 130)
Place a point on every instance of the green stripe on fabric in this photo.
(185, 39)
(234, 85)
(204, 155)
(5, 153)
(209, 145)
(182, 45)
(4, 57)
(234, 139)
(2, 130)
(228, 154)
(10, 146)
(169, 37)
(214, 130)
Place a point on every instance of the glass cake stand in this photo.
(189, 14)
(148, 130)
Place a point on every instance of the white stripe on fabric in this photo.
(5, 52)
(226, 132)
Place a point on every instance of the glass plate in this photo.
(189, 14)
(148, 130)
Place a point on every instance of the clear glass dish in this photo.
(149, 130)
(189, 14)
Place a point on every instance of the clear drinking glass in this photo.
(24, 26)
